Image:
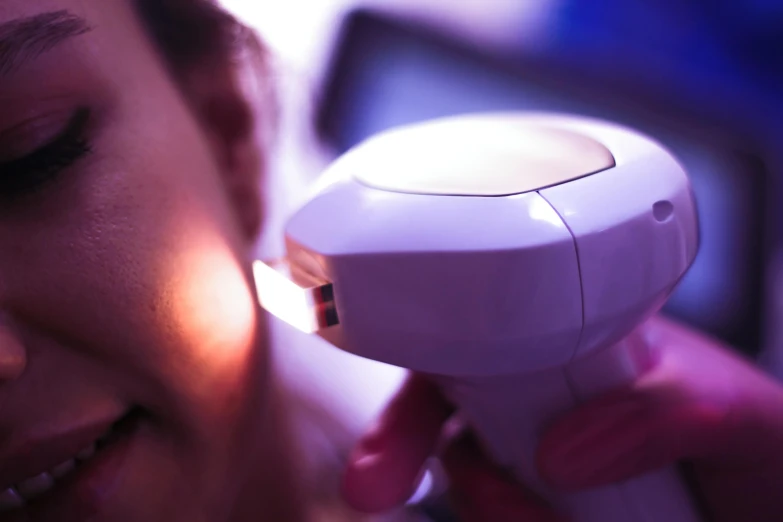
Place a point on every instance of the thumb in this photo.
(387, 462)
(700, 404)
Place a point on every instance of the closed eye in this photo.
(31, 172)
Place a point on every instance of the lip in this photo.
(38, 455)
(86, 493)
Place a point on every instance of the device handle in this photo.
(509, 412)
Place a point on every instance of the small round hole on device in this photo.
(663, 210)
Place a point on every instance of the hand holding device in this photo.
(508, 257)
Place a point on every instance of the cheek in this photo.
(213, 302)
(210, 312)
(135, 268)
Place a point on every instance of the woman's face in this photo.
(124, 288)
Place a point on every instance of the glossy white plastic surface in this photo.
(520, 305)
(478, 156)
(508, 414)
(404, 275)
(635, 228)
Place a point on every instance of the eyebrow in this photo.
(25, 39)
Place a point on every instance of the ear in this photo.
(223, 108)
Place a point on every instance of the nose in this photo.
(13, 355)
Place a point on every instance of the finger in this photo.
(700, 403)
(480, 492)
(624, 437)
(384, 468)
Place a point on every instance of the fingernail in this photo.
(578, 456)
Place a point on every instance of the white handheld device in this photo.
(508, 256)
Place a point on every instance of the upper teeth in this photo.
(33, 487)
(10, 499)
(15, 496)
(86, 453)
(63, 469)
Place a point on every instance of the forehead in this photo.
(113, 54)
(89, 9)
(111, 22)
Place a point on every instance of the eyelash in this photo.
(28, 174)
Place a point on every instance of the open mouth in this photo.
(37, 490)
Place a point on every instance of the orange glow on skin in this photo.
(215, 305)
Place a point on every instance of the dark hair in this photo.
(187, 32)
(192, 33)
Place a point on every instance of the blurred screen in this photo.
(387, 73)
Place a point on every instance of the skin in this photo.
(126, 281)
(701, 406)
